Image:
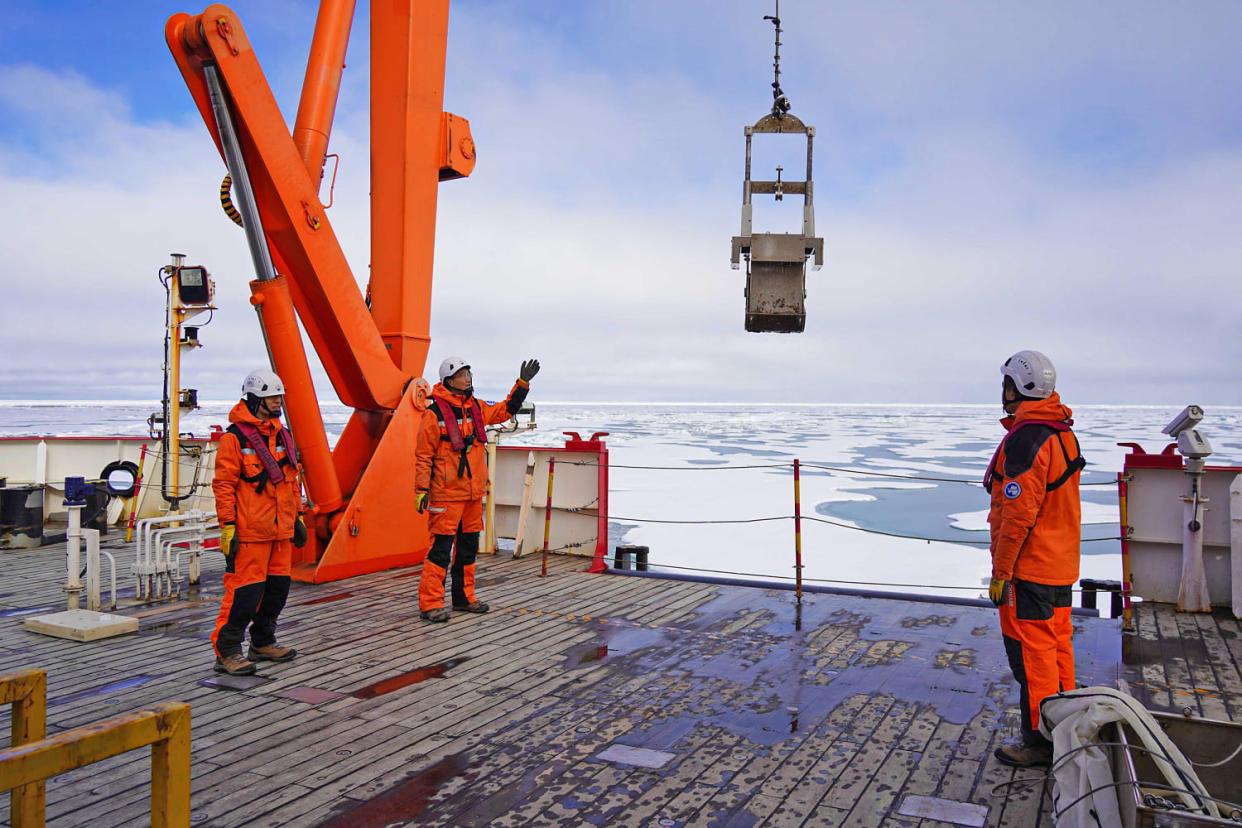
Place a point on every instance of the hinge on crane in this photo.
(226, 32)
(311, 218)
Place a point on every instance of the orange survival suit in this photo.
(256, 579)
(1036, 525)
(451, 466)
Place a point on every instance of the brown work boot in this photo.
(235, 665)
(436, 616)
(1019, 754)
(271, 652)
(477, 607)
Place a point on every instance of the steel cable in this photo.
(821, 466)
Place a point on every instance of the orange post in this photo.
(408, 147)
(271, 297)
(798, 528)
(547, 516)
(322, 84)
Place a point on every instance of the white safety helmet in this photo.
(451, 366)
(1032, 373)
(263, 383)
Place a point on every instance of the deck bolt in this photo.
(583, 729)
(345, 752)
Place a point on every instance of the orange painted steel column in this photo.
(322, 84)
(547, 516)
(275, 306)
(408, 47)
(303, 243)
(798, 527)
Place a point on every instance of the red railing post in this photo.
(798, 527)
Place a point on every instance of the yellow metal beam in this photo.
(26, 690)
(166, 727)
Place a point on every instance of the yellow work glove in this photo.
(299, 533)
(998, 591)
(228, 539)
(420, 501)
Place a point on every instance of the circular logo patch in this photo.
(1012, 489)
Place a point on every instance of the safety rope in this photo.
(830, 523)
(768, 576)
(821, 466)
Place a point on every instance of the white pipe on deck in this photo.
(92, 569)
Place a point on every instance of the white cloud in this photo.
(594, 233)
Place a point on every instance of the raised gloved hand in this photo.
(228, 539)
(529, 368)
(998, 591)
(300, 535)
(420, 501)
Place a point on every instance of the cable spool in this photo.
(226, 201)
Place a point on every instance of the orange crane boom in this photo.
(361, 490)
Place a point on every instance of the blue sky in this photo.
(989, 177)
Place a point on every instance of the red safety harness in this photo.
(453, 418)
(251, 438)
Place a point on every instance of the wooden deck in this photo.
(544, 711)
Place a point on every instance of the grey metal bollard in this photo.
(630, 557)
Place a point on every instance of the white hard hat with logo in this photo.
(263, 383)
(451, 366)
(1032, 373)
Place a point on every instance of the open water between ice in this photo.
(707, 444)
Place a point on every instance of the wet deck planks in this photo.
(835, 723)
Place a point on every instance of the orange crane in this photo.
(361, 491)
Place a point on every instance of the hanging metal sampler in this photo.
(776, 262)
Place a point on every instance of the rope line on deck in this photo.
(841, 469)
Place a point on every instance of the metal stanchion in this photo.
(547, 516)
(1122, 494)
(798, 527)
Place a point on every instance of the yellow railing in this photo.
(32, 758)
(26, 690)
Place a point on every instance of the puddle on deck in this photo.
(414, 676)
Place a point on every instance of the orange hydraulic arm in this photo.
(361, 490)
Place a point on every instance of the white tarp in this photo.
(1084, 794)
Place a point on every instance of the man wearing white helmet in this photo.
(1035, 521)
(259, 506)
(451, 480)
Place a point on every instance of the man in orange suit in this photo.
(259, 506)
(451, 480)
(1035, 519)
